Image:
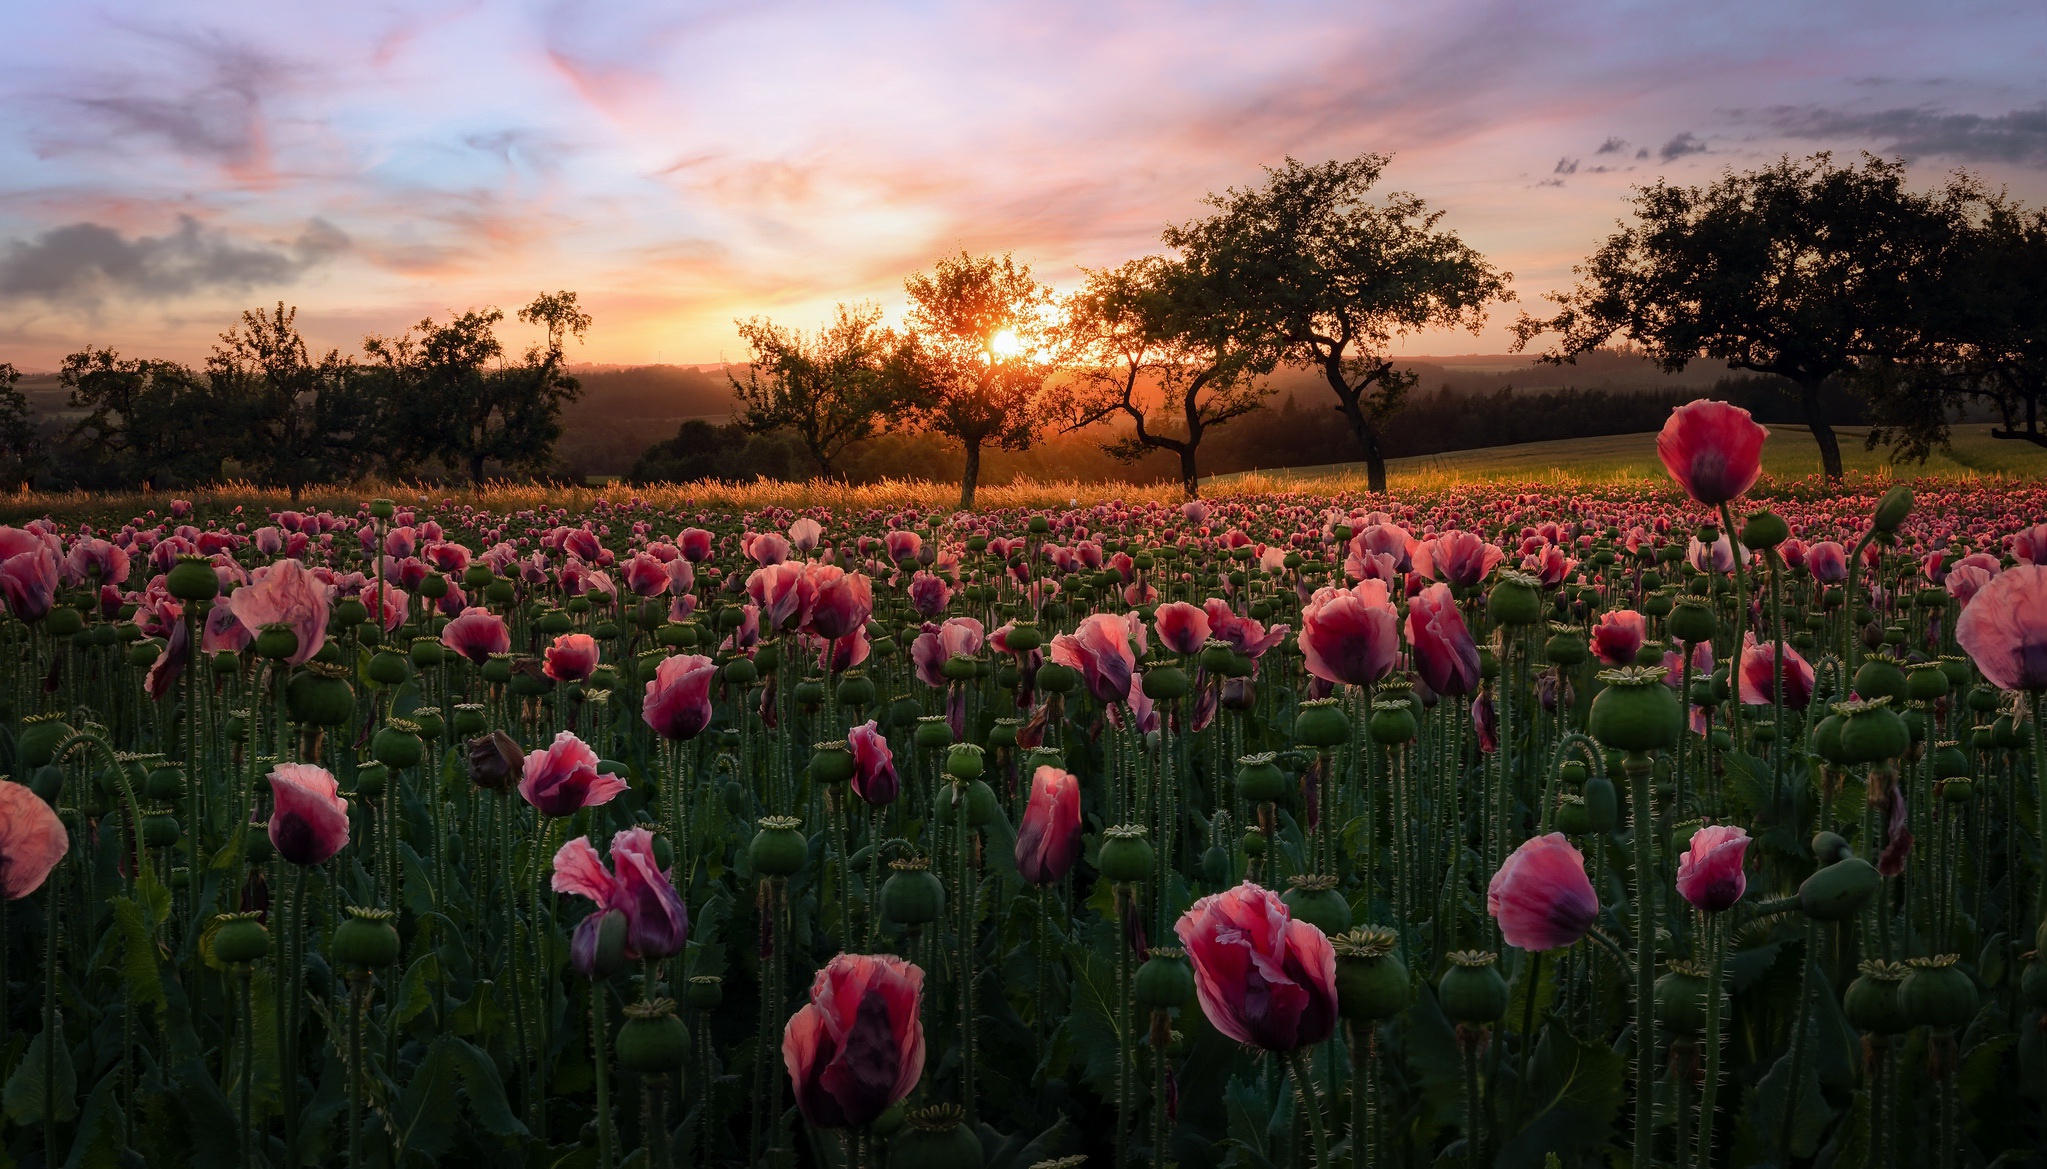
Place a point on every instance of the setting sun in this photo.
(1005, 343)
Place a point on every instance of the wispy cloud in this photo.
(2017, 136)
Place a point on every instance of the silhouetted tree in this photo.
(1335, 277)
(828, 388)
(144, 421)
(20, 454)
(452, 395)
(299, 420)
(1162, 345)
(1802, 269)
(701, 450)
(973, 361)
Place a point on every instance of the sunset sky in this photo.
(165, 165)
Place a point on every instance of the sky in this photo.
(164, 166)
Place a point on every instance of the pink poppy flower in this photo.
(308, 817)
(1709, 874)
(2004, 629)
(1261, 977)
(563, 779)
(1713, 450)
(1541, 896)
(284, 593)
(32, 840)
(677, 703)
(572, 658)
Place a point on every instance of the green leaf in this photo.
(97, 1144)
(1579, 1086)
(140, 956)
(484, 1089)
(23, 1096)
(1250, 1112)
(415, 993)
(1094, 1023)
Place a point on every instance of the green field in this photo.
(1789, 454)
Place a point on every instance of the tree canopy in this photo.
(829, 388)
(1333, 276)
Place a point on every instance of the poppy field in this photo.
(1693, 824)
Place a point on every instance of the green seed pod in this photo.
(348, 613)
(371, 780)
(160, 829)
(1826, 739)
(366, 938)
(1372, 983)
(809, 693)
(319, 695)
(192, 579)
(1255, 843)
(965, 761)
(1871, 1001)
(388, 668)
(778, 848)
(1873, 732)
(1765, 529)
(1165, 683)
(1320, 723)
(913, 894)
(165, 784)
(1515, 599)
(1681, 998)
(832, 762)
(1602, 804)
(1566, 646)
(275, 642)
(739, 672)
(1314, 899)
(1024, 636)
(1126, 857)
(1880, 676)
(1054, 678)
(1839, 891)
(933, 732)
(704, 992)
(1636, 711)
(1471, 991)
(240, 938)
(1393, 723)
(1165, 981)
(1572, 817)
(936, 1138)
(1937, 993)
(397, 744)
(652, 1041)
(1260, 779)
(855, 690)
(37, 742)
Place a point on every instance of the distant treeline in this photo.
(1295, 428)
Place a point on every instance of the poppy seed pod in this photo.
(1126, 857)
(366, 938)
(1471, 991)
(1636, 711)
(1937, 993)
(778, 848)
(1372, 983)
(1871, 1001)
(1680, 998)
(652, 1041)
(913, 895)
(240, 938)
(1315, 900)
(1321, 723)
(1516, 599)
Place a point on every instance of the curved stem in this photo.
(1298, 1065)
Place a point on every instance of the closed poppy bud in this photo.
(1713, 450)
(1709, 874)
(1048, 841)
(1541, 896)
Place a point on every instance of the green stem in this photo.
(1298, 1066)
(1638, 769)
(598, 1025)
(1474, 1142)
(357, 1000)
(1716, 944)
(1807, 958)
(1527, 1032)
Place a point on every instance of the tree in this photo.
(1802, 269)
(723, 454)
(144, 420)
(828, 387)
(1334, 277)
(20, 454)
(299, 420)
(453, 397)
(972, 363)
(1155, 330)
(1996, 323)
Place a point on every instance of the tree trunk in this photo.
(476, 471)
(1361, 428)
(970, 475)
(1822, 433)
(1189, 479)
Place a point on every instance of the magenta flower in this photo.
(563, 779)
(1444, 654)
(2004, 629)
(1758, 683)
(1100, 650)
(308, 817)
(1351, 636)
(1260, 976)
(1709, 874)
(477, 634)
(657, 923)
(1713, 450)
(284, 593)
(841, 602)
(874, 765)
(678, 697)
(1541, 896)
(1048, 840)
(1182, 627)
(1618, 637)
(572, 658)
(32, 840)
